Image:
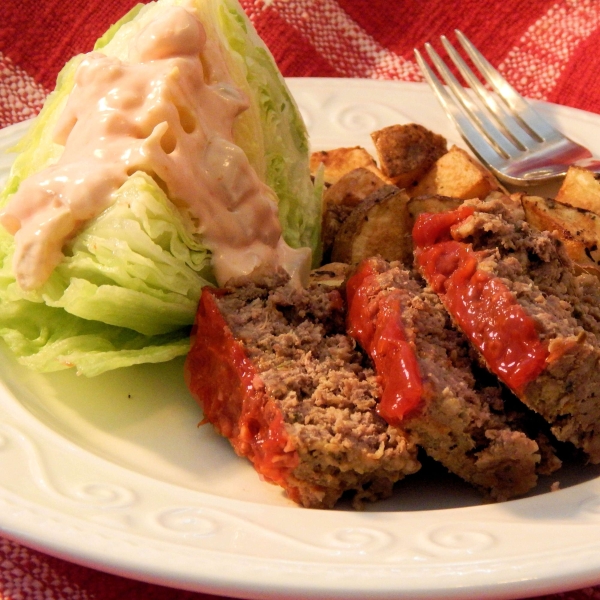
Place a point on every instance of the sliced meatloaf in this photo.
(429, 388)
(275, 373)
(517, 296)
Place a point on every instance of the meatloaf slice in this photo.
(517, 296)
(274, 372)
(428, 385)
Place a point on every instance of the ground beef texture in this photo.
(275, 373)
(456, 421)
(558, 305)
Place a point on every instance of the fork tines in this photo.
(498, 126)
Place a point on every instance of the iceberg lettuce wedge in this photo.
(125, 293)
(127, 289)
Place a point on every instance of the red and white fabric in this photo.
(548, 49)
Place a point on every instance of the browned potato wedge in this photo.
(578, 253)
(577, 228)
(457, 175)
(406, 152)
(333, 218)
(378, 226)
(339, 161)
(581, 189)
(353, 187)
(430, 204)
(340, 199)
(332, 274)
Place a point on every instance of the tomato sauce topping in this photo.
(233, 397)
(483, 307)
(376, 324)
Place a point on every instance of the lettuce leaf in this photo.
(49, 339)
(135, 266)
(284, 140)
(125, 293)
(127, 289)
(271, 132)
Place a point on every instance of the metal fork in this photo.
(502, 128)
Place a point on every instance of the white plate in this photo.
(113, 473)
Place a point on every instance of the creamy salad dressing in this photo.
(156, 113)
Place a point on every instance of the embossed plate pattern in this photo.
(113, 473)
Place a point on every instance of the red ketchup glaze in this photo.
(232, 395)
(483, 307)
(377, 326)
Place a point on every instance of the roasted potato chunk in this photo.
(430, 204)
(578, 229)
(332, 275)
(378, 226)
(353, 187)
(457, 175)
(580, 188)
(340, 199)
(333, 218)
(339, 161)
(406, 152)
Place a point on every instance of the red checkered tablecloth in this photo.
(547, 48)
